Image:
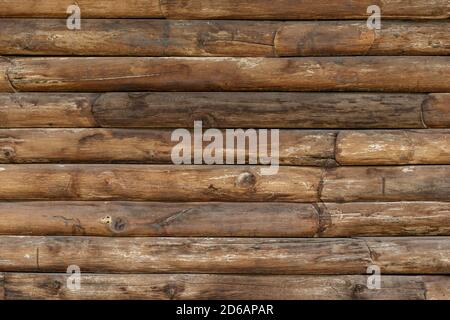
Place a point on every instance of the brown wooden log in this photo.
(416, 183)
(47, 110)
(398, 74)
(120, 37)
(355, 38)
(126, 219)
(386, 147)
(138, 38)
(89, 8)
(424, 255)
(158, 183)
(228, 9)
(223, 183)
(436, 111)
(310, 9)
(21, 286)
(5, 84)
(220, 110)
(296, 147)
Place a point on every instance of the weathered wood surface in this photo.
(425, 255)
(386, 183)
(225, 110)
(20, 286)
(228, 9)
(386, 147)
(223, 183)
(296, 147)
(154, 146)
(436, 111)
(131, 219)
(355, 38)
(396, 74)
(221, 38)
(89, 8)
(157, 183)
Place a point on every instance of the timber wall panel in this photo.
(396, 74)
(120, 37)
(130, 219)
(426, 255)
(229, 9)
(223, 287)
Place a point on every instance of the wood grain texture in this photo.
(386, 147)
(157, 183)
(23, 286)
(228, 9)
(261, 110)
(89, 8)
(5, 84)
(131, 37)
(310, 9)
(296, 147)
(223, 183)
(47, 110)
(398, 183)
(355, 38)
(436, 111)
(225, 110)
(425, 255)
(396, 74)
(131, 219)
(122, 37)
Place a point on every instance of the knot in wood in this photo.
(246, 180)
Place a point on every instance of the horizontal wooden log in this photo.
(386, 147)
(386, 184)
(223, 183)
(125, 219)
(224, 110)
(396, 74)
(424, 255)
(158, 183)
(138, 38)
(355, 38)
(228, 9)
(296, 147)
(20, 286)
(132, 37)
(310, 9)
(89, 8)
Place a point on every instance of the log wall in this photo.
(86, 170)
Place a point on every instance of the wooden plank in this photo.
(436, 111)
(131, 37)
(157, 183)
(424, 255)
(296, 147)
(89, 8)
(354, 38)
(396, 74)
(47, 110)
(228, 9)
(118, 37)
(415, 183)
(309, 9)
(21, 286)
(386, 147)
(126, 219)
